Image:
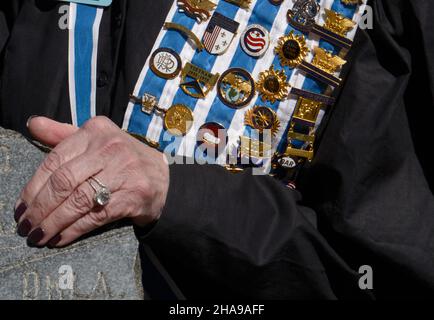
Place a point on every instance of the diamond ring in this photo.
(102, 193)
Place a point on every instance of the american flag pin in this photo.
(219, 34)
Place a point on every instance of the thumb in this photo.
(49, 132)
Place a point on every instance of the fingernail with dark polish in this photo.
(24, 228)
(54, 241)
(19, 211)
(35, 237)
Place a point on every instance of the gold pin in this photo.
(337, 23)
(272, 85)
(203, 81)
(323, 67)
(302, 17)
(245, 4)
(254, 148)
(351, 2)
(262, 118)
(185, 31)
(197, 9)
(291, 49)
(326, 61)
(148, 102)
(307, 110)
(178, 120)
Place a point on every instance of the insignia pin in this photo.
(272, 85)
(236, 88)
(197, 9)
(323, 67)
(178, 120)
(255, 40)
(219, 34)
(245, 4)
(197, 82)
(262, 118)
(165, 63)
(291, 49)
(302, 17)
(148, 102)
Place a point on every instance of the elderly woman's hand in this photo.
(57, 205)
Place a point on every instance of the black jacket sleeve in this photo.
(366, 198)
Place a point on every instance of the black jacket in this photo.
(366, 199)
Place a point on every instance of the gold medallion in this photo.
(272, 85)
(236, 88)
(197, 82)
(291, 49)
(197, 9)
(262, 118)
(178, 119)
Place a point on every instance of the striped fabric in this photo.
(211, 109)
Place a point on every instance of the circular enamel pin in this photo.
(255, 40)
(236, 88)
(212, 134)
(165, 63)
(178, 120)
(292, 50)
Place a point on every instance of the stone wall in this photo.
(105, 266)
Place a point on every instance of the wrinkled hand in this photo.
(56, 207)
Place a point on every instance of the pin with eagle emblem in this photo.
(236, 88)
(197, 9)
(219, 34)
(255, 40)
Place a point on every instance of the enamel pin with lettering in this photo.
(219, 34)
(236, 88)
(272, 85)
(197, 82)
(291, 49)
(255, 40)
(165, 63)
(197, 9)
(262, 118)
(245, 4)
(323, 67)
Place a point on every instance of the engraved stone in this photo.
(103, 266)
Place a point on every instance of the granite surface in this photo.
(105, 266)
